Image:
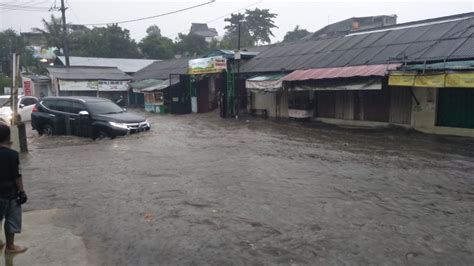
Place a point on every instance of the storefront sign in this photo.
(401, 80)
(430, 81)
(450, 80)
(27, 87)
(101, 85)
(207, 65)
(460, 80)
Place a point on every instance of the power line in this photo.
(30, 6)
(156, 16)
(220, 17)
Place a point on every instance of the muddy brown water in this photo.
(200, 190)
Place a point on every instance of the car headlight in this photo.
(118, 125)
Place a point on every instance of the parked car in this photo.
(85, 117)
(25, 106)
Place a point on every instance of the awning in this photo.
(370, 84)
(340, 72)
(149, 85)
(265, 83)
(453, 65)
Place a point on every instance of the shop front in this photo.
(355, 95)
(267, 96)
(444, 101)
(207, 86)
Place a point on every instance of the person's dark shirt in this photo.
(9, 172)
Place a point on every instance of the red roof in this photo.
(340, 72)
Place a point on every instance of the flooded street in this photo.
(200, 190)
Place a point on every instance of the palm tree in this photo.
(52, 32)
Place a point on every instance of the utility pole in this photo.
(65, 42)
(14, 91)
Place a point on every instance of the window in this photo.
(77, 107)
(104, 107)
(50, 104)
(63, 106)
(28, 101)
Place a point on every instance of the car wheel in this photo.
(47, 130)
(101, 134)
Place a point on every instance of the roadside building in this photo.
(346, 26)
(201, 29)
(344, 80)
(177, 96)
(128, 65)
(106, 82)
(36, 85)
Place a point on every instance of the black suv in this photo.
(84, 117)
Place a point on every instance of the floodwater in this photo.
(200, 190)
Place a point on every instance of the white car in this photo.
(25, 106)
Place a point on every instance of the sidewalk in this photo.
(47, 244)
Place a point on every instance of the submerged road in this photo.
(200, 190)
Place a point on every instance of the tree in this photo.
(255, 28)
(52, 32)
(155, 46)
(110, 42)
(11, 42)
(231, 37)
(191, 44)
(260, 24)
(296, 34)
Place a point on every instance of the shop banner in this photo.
(430, 81)
(207, 65)
(460, 80)
(401, 80)
(103, 85)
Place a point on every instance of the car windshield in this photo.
(104, 108)
(4, 102)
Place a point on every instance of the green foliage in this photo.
(110, 42)
(260, 24)
(296, 34)
(255, 28)
(5, 81)
(231, 38)
(52, 32)
(191, 45)
(11, 42)
(155, 46)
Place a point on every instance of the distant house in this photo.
(354, 24)
(106, 82)
(201, 29)
(127, 65)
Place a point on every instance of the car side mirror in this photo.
(22, 105)
(83, 113)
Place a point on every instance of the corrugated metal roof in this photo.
(465, 50)
(437, 31)
(340, 72)
(391, 51)
(124, 64)
(365, 56)
(163, 69)
(429, 40)
(87, 73)
(444, 47)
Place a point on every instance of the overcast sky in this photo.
(311, 15)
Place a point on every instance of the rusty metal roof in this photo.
(340, 72)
